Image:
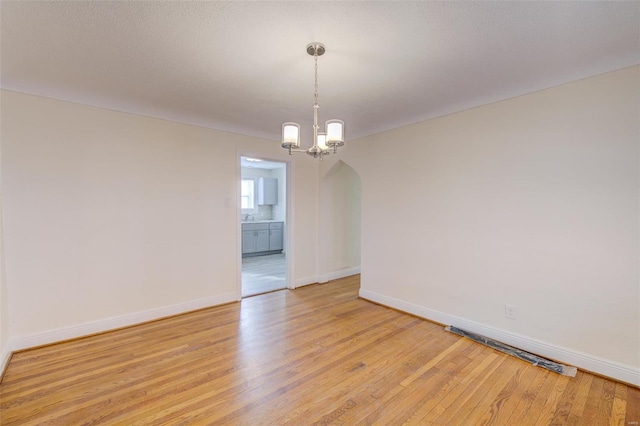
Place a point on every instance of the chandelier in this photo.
(323, 142)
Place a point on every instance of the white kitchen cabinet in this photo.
(267, 191)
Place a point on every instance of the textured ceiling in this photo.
(242, 66)
(260, 164)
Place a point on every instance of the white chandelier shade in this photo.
(335, 133)
(290, 135)
(323, 142)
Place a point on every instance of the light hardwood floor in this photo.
(316, 355)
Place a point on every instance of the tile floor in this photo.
(261, 274)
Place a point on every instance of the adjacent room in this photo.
(263, 209)
(372, 212)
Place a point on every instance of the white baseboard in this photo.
(581, 360)
(107, 324)
(336, 275)
(306, 281)
(5, 355)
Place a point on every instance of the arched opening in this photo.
(339, 222)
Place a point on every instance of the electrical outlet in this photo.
(510, 311)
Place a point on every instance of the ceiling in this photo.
(256, 163)
(242, 66)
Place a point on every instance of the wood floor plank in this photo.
(632, 414)
(547, 412)
(561, 415)
(250, 376)
(204, 403)
(619, 406)
(582, 395)
(316, 355)
(411, 391)
(606, 402)
(547, 389)
(361, 376)
(378, 392)
(464, 371)
(488, 400)
(506, 402)
(469, 398)
(379, 382)
(590, 411)
(530, 394)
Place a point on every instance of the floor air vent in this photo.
(518, 353)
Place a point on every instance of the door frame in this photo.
(289, 218)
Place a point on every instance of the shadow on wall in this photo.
(340, 219)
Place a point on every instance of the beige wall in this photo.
(533, 202)
(4, 308)
(110, 214)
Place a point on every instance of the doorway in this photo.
(263, 210)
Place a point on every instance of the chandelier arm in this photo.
(296, 150)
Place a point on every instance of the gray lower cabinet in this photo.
(262, 237)
(275, 236)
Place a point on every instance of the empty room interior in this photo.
(320, 213)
